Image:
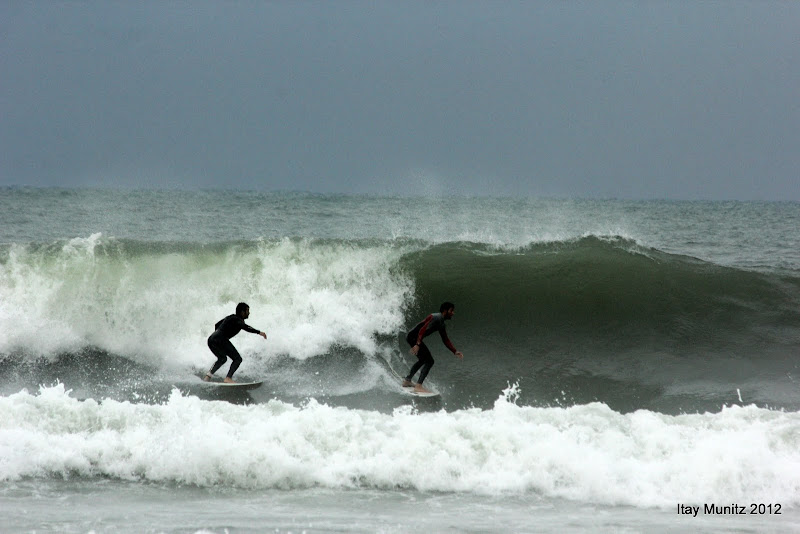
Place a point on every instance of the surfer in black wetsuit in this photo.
(432, 323)
(220, 341)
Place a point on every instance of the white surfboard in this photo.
(410, 391)
(218, 382)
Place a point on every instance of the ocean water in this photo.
(625, 362)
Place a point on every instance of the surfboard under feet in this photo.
(218, 382)
(410, 391)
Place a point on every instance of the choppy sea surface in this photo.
(625, 362)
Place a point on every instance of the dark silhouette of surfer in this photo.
(432, 323)
(220, 341)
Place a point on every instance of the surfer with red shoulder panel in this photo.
(220, 341)
(432, 323)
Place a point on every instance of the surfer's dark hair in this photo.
(446, 306)
(241, 307)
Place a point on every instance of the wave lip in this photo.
(587, 453)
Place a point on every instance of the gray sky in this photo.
(640, 99)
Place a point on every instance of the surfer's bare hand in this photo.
(459, 355)
(415, 350)
(263, 334)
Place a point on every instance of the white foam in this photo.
(159, 308)
(586, 453)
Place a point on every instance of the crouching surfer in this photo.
(220, 341)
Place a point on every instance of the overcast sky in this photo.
(640, 99)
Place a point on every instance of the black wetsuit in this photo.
(220, 342)
(432, 323)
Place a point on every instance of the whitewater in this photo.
(586, 453)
